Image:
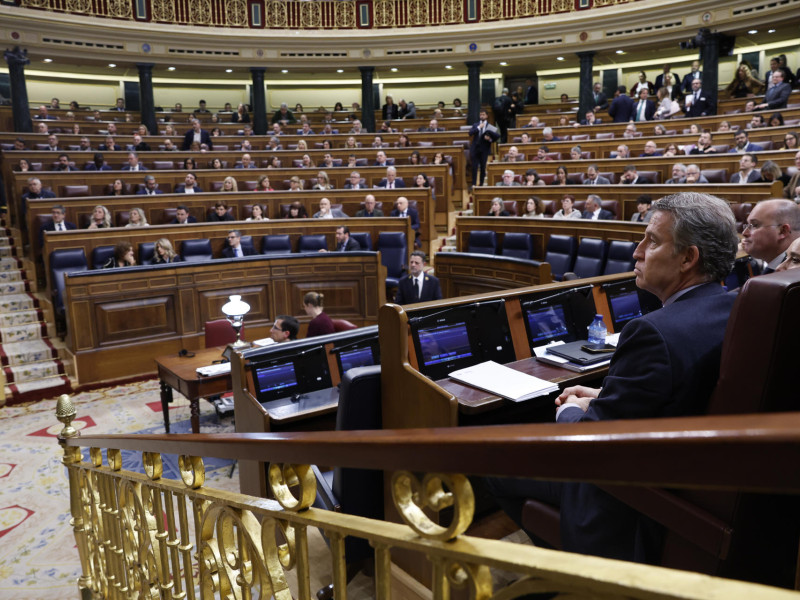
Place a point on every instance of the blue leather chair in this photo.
(196, 250)
(482, 242)
(591, 258)
(560, 253)
(363, 238)
(100, 256)
(147, 251)
(393, 248)
(64, 261)
(517, 245)
(312, 243)
(620, 257)
(247, 242)
(276, 244)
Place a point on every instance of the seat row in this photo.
(589, 258)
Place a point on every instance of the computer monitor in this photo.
(460, 336)
(627, 302)
(350, 358)
(558, 316)
(291, 374)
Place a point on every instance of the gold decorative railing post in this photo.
(65, 412)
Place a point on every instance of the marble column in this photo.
(147, 105)
(585, 95)
(367, 99)
(473, 90)
(17, 59)
(259, 101)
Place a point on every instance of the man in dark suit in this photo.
(34, 192)
(696, 103)
(109, 145)
(391, 181)
(133, 163)
(418, 286)
(666, 364)
(98, 163)
(369, 209)
(197, 134)
(483, 136)
(402, 209)
(234, 249)
(645, 109)
(139, 145)
(772, 227)
(531, 92)
(747, 170)
(621, 109)
(182, 216)
(686, 84)
(189, 186)
(150, 187)
(354, 183)
(778, 95)
(599, 99)
(595, 211)
(743, 143)
(432, 127)
(344, 243)
(57, 224)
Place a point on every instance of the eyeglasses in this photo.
(232, 237)
(754, 226)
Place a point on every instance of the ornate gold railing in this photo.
(139, 535)
(317, 14)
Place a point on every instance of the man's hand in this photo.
(579, 395)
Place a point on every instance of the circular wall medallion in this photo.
(473, 47)
(583, 36)
(146, 48)
(706, 17)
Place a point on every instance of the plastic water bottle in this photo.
(597, 331)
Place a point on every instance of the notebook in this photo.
(504, 381)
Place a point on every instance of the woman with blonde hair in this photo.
(229, 184)
(323, 182)
(101, 218)
(164, 253)
(137, 218)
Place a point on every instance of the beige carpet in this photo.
(38, 557)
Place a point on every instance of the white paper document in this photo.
(504, 381)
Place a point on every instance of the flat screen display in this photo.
(625, 306)
(547, 324)
(356, 357)
(444, 344)
(276, 379)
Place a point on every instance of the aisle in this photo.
(32, 369)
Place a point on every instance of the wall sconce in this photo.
(234, 311)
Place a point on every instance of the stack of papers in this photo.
(504, 381)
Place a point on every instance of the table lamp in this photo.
(234, 311)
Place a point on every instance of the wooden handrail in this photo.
(749, 452)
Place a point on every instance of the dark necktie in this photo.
(416, 289)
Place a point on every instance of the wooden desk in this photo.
(180, 373)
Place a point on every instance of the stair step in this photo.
(33, 371)
(20, 353)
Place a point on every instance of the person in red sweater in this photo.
(321, 323)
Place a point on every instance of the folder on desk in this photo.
(504, 381)
(574, 353)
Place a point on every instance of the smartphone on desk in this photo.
(598, 348)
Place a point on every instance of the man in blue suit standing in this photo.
(666, 365)
(483, 136)
(622, 107)
(418, 286)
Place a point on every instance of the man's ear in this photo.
(691, 258)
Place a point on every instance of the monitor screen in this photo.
(356, 357)
(547, 324)
(276, 379)
(444, 344)
(625, 306)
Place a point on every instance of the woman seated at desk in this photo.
(164, 253)
(123, 256)
(321, 323)
(101, 218)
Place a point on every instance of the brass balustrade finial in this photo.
(65, 412)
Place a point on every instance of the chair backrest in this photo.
(100, 256)
(482, 242)
(363, 238)
(196, 250)
(219, 333)
(511, 207)
(560, 253)
(393, 248)
(741, 212)
(359, 491)
(517, 245)
(715, 175)
(612, 205)
(342, 325)
(591, 258)
(620, 257)
(72, 191)
(61, 262)
(650, 176)
(276, 244)
(312, 243)
(247, 243)
(147, 251)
